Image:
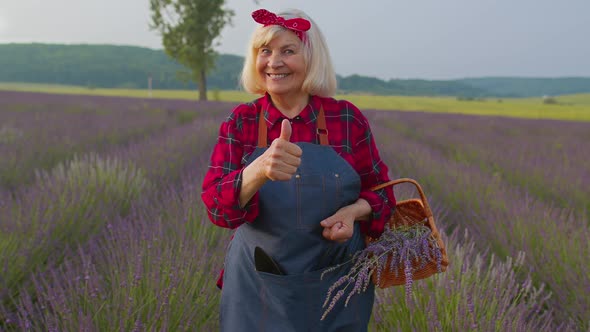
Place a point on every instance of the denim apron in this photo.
(288, 229)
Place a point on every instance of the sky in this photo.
(388, 39)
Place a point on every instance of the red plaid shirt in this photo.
(349, 135)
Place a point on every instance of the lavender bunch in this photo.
(410, 247)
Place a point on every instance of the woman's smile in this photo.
(277, 76)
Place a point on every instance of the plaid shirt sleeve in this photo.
(372, 171)
(222, 183)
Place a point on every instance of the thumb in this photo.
(286, 130)
(329, 222)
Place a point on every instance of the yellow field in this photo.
(513, 107)
(570, 107)
(577, 99)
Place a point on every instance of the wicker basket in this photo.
(410, 212)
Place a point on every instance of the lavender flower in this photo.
(405, 247)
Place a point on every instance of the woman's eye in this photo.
(265, 51)
(288, 51)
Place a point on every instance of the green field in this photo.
(568, 107)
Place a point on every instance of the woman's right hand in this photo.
(280, 161)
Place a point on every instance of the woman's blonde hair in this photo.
(320, 78)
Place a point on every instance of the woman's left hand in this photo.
(340, 226)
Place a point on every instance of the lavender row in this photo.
(38, 131)
(67, 205)
(157, 273)
(502, 217)
(548, 158)
(476, 293)
(153, 270)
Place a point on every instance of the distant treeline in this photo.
(111, 66)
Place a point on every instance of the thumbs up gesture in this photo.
(280, 161)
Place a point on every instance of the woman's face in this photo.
(280, 64)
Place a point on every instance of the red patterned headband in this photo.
(297, 25)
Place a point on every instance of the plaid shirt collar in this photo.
(272, 115)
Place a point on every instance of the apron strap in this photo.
(262, 141)
(322, 130)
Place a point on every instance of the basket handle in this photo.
(427, 209)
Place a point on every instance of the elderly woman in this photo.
(301, 204)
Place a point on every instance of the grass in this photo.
(569, 107)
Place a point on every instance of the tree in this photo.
(189, 29)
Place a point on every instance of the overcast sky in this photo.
(428, 39)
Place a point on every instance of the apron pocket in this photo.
(324, 193)
(294, 302)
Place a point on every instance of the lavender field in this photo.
(102, 227)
